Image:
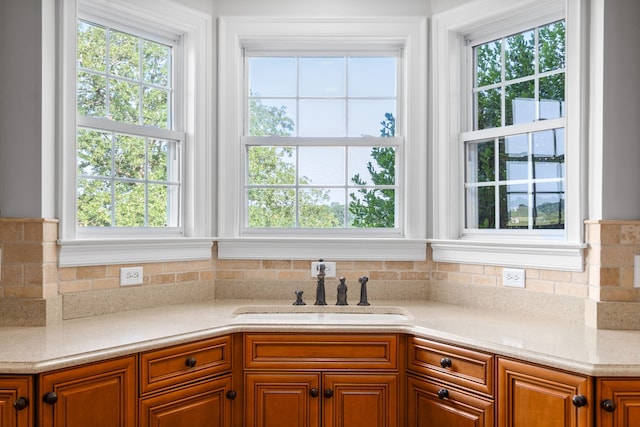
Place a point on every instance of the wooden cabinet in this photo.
(294, 380)
(16, 401)
(188, 385)
(97, 395)
(448, 385)
(535, 396)
(618, 402)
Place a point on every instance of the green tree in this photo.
(375, 208)
(273, 207)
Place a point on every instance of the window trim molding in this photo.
(234, 32)
(447, 85)
(196, 45)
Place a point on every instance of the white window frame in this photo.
(236, 33)
(396, 142)
(120, 245)
(450, 105)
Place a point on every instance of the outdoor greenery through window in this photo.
(128, 153)
(515, 152)
(321, 143)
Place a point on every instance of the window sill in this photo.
(334, 249)
(539, 255)
(74, 253)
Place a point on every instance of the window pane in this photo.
(552, 46)
(514, 158)
(158, 206)
(552, 97)
(549, 210)
(322, 117)
(158, 168)
(124, 55)
(517, 207)
(271, 165)
(321, 208)
(321, 165)
(93, 153)
(372, 208)
(488, 63)
(372, 165)
(322, 77)
(124, 99)
(92, 47)
(129, 161)
(520, 55)
(548, 154)
(93, 198)
(272, 77)
(372, 77)
(156, 63)
(488, 109)
(271, 117)
(271, 208)
(481, 162)
(92, 95)
(365, 116)
(520, 103)
(155, 111)
(481, 207)
(129, 204)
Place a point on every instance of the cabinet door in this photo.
(360, 400)
(97, 395)
(282, 400)
(619, 402)
(535, 396)
(431, 404)
(15, 402)
(205, 404)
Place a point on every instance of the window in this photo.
(515, 180)
(128, 151)
(322, 138)
(321, 142)
(135, 135)
(509, 116)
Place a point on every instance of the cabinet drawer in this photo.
(466, 368)
(320, 351)
(183, 363)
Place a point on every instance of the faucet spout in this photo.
(320, 294)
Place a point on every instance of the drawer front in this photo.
(320, 351)
(184, 363)
(465, 368)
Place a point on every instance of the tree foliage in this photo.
(375, 208)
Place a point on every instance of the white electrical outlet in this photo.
(329, 269)
(131, 276)
(513, 277)
(636, 271)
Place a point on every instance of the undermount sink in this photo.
(321, 314)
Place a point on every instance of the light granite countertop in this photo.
(29, 350)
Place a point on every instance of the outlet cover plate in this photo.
(131, 276)
(513, 277)
(329, 269)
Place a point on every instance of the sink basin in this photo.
(322, 314)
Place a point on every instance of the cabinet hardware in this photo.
(608, 405)
(445, 362)
(443, 393)
(50, 398)
(20, 403)
(579, 400)
(314, 392)
(190, 362)
(231, 394)
(328, 393)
